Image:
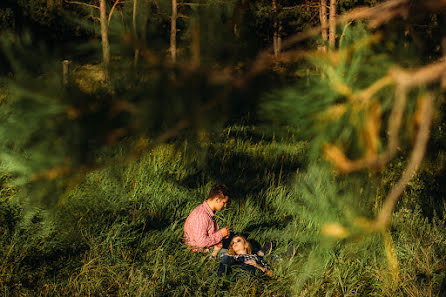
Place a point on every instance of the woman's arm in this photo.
(263, 269)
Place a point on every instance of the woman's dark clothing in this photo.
(226, 261)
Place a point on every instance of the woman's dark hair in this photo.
(219, 191)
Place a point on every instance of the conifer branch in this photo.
(404, 80)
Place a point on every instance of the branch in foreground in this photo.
(375, 16)
(81, 3)
(416, 157)
(405, 80)
(111, 10)
(262, 62)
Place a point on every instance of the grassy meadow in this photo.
(102, 162)
(118, 232)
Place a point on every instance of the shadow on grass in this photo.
(245, 173)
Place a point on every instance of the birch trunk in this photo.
(104, 36)
(332, 24)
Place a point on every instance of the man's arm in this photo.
(202, 239)
(196, 229)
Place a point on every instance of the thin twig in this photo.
(192, 4)
(344, 165)
(111, 10)
(421, 76)
(365, 95)
(299, 6)
(416, 157)
(343, 32)
(81, 3)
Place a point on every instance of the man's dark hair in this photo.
(219, 190)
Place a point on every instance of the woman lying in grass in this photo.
(240, 254)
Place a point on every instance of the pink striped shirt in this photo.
(201, 229)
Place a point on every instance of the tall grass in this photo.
(119, 231)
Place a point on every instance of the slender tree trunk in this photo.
(143, 21)
(65, 72)
(135, 33)
(104, 36)
(279, 38)
(324, 25)
(196, 44)
(173, 32)
(276, 41)
(332, 24)
(443, 47)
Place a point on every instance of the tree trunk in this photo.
(332, 24)
(173, 32)
(276, 37)
(279, 38)
(143, 22)
(104, 36)
(65, 72)
(443, 47)
(135, 33)
(323, 19)
(196, 44)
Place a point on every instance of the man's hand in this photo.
(225, 232)
(216, 249)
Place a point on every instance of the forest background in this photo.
(324, 117)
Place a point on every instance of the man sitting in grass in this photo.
(201, 229)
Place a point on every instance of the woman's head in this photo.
(239, 245)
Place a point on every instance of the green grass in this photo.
(119, 231)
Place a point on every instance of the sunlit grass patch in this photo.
(119, 231)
